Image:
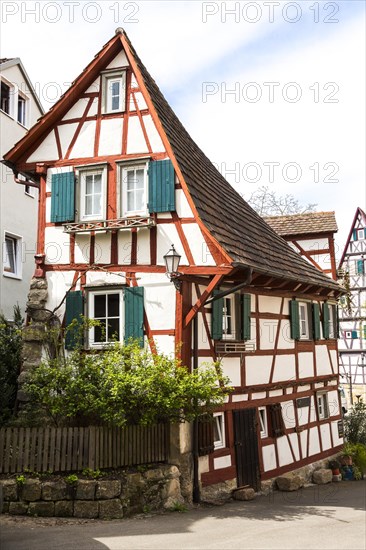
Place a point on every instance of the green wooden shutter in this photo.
(335, 320)
(364, 232)
(245, 328)
(216, 317)
(134, 313)
(359, 267)
(316, 321)
(354, 334)
(63, 197)
(354, 234)
(326, 320)
(74, 310)
(295, 320)
(161, 186)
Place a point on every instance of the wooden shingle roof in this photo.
(303, 224)
(243, 234)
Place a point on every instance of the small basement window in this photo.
(263, 423)
(219, 430)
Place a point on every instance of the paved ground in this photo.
(327, 517)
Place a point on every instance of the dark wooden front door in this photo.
(246, 448)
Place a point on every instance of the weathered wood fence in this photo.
(73, 449)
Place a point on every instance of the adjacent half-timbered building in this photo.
(312, 235)
(352, 311)
(120, 182)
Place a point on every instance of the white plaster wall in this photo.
(269, 304)
(306, 364)
(284, 368)
(259, 395)
(304, 442)
(325, 435)
(295, 445)
(333, 403)
(269, 458)
(48, 209)
(58, 284)
(141, 103)
(102, 251)
(203, 464)
(153, 135)
(284, 451)
(257, 369)
(134, 83)
(268, 330)
(334, 359)
(66, 133)
(288, 414)
(143, 246)
(313, 244)
(236, 398)
(119, 61)
(285, 341)
(203, 338)
(84, 145)
(103, 278)
(167, 235)
(275, 393)
(46, 151)
(336, 439)
(160, 305)
(303, 415)
(78, 109)
(94, 87)
(165, 344)
(314, 447)
(323, 261)
(323, 365)
(110, 140)
(313, 409)
(57, 247)
(222, 462)
(82, 248)
(124, 247)
(198, 246)
(231, 368)
(135, 141)
(182, 205)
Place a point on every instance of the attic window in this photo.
(21, 115)
(114, 92)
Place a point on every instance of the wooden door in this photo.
(246, 448)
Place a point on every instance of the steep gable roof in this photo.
(244, 236)
(303, 224)
(5, 63)
(359, 215)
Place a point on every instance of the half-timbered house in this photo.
(121, 181)
(352, 311)
(311, 234)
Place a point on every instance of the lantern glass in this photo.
(172, 260)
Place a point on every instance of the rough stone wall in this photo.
(132, 493)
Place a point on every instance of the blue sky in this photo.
(188, 46)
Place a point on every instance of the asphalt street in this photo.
(317, 517)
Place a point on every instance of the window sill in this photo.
(23, 125)
(12, 276)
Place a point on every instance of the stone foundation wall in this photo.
(130, 493)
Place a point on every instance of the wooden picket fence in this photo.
(73, 449)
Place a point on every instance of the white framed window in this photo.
(12, 256)
(6, 98)
(93, 191)
(304, 321)
(133, 190)
(322, 404)
(22, 110)
(228, 318)
(360, 234)
(263, 422)
(332, 321)
(114, 91)
(30, 191)
(219, 430)
(106, 307)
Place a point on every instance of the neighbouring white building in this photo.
(19, 110)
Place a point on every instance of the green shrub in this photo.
(357, 451)
(71, 479)
(10, 361)
(355, 423)
(123, 385)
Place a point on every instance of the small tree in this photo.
(121, 385)
(355, 423)
(10, 361)
(269, 203)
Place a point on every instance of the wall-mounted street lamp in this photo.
(172, 260)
